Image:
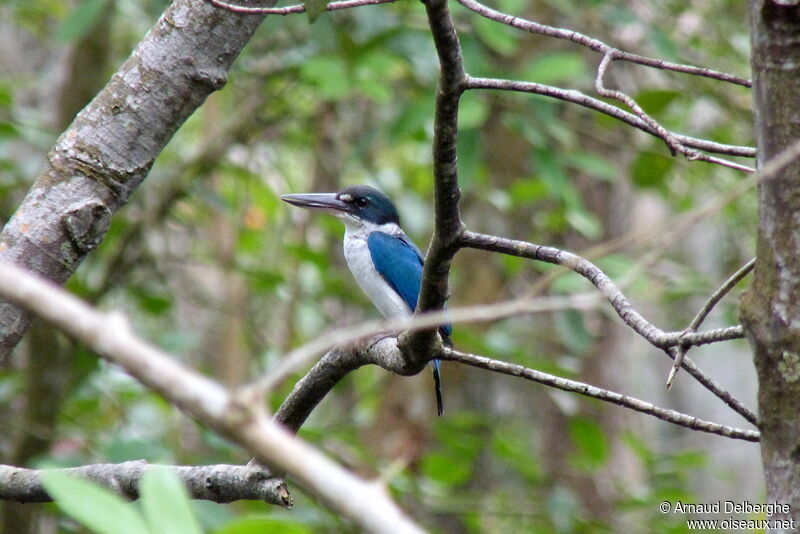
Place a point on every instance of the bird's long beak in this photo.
(318, 201)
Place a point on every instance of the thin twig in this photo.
(675, 146)
(597, 45)
(577, 97)
(291, 10)
(694, 324)
(305, 354)
(605, 395)
(656, 336)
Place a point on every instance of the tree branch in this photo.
(336, 364)
(612, 54)
(597, 45)
(577, 97)
(675, 146)
(694, 324)
(627, 313)
(108, 150)
(237, 415)
(217, 483)
(291, 10)
(447, 222)
(604, 395)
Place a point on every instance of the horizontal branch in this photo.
(216, 483)
(291, 10)
(597, 45)
(577, 97)
(604, 395)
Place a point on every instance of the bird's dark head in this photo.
(359, 203)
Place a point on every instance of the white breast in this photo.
(389, 303)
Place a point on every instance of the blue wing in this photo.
(398, 260)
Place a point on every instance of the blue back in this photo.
(398, 260)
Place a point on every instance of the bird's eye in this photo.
(362, 202)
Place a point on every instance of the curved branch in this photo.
(657, 337)
(675, 146)
(309, 391)
(216, 483)
(597, 45)
(576, 97)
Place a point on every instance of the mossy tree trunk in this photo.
(771, 308)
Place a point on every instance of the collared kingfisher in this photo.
(383, 259)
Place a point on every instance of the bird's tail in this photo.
(437, 381)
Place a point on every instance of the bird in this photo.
(384, 261)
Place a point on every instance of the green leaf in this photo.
(151, 302)
(556, 67)
(260, 525)
(95, 507)
(591, 445)
(571, 330)
(80, 20)
(315, 8)
(650, 168)
(472, 113)
(373, 76)
(446, 469)
(656, 100)
(585, 222)
(166, 503)
(592, 165)
(328, 74)
(496, 36)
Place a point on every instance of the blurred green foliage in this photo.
(210, 265)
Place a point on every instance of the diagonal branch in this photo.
(681, 350)
(621, 305)
(597, 45)
(604, 395)
(675, 146)
(237, 415)
(577, 97)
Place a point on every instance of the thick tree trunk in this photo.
(108, 150)
(771, 308)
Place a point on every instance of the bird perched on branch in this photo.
(383, 259)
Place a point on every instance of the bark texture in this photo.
(111, 145)
(771, 308)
